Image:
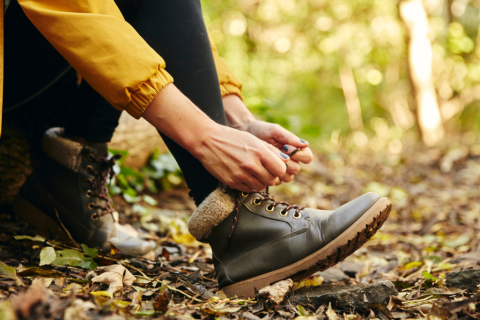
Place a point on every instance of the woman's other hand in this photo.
(239, 117)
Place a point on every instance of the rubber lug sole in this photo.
(334, 252)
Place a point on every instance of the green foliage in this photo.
(47, 256)
(288, 54)
(75, 258)
(36, 238)
(7, 271)
(160, 173)
(89, 251)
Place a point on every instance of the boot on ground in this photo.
(67, 196)
(257, 240)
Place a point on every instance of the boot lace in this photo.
(99, 183)
(265, 197)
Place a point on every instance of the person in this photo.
(194, 100)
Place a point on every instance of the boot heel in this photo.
(42, 223)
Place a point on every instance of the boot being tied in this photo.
(67, 196)
(257, 241)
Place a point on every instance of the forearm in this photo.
(172, 113)
(236, 113)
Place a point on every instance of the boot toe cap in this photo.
(342, 218)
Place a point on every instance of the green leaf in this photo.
(428, 276)
(88, 264)
(7, 271)
(129, 198)
(302, 310)
(47, 256)
(70, 257)
(89, 251)
(36, 238)
(150, 200)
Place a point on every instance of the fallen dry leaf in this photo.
(116, 276)
(277, 291)
(312, 281)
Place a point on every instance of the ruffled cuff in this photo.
(229, 88)
(142, 97)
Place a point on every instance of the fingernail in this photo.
(283, 155)
(303, 141)
(286, 148)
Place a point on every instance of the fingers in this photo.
(274, 160)
(287, 177)
(249, 185)
(283, 136)
(304, 155)
(293, 168)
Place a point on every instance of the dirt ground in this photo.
(423, 263)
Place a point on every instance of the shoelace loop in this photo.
(266, 196)
(99, 184)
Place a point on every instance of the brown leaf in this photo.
(277, 291)
(24, 303)
(161, 302)
(116, 276)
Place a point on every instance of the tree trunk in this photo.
(420, 64)
(351, 99)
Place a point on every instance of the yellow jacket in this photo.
(111, 56)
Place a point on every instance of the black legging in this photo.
(175, 29)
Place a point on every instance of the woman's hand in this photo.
(241, 160)
(239, 117)
(284, 140)
(238, 159)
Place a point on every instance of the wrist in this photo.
(197, 145)
(236, 113)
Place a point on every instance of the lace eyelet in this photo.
(89, 168)
(91, 157)
(95, 216)
(271, 206)
(297, 215)
(88, 194)
(244, 194)
(89, 181)
(257, 201)
(283, 213)
(91, 206)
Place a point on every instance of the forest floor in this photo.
(423, 263)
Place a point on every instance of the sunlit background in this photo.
(363, 74)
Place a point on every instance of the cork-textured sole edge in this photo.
(334, 252)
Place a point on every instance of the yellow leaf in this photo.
(186, 239)
(120, 303)
(412, 265)
(312, 281)
(102, 293)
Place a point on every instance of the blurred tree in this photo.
(293, 58)
(420, 61)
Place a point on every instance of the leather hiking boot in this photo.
(67, 196)
(257, 241)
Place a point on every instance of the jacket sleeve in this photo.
(229, 83)
(110, 55)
